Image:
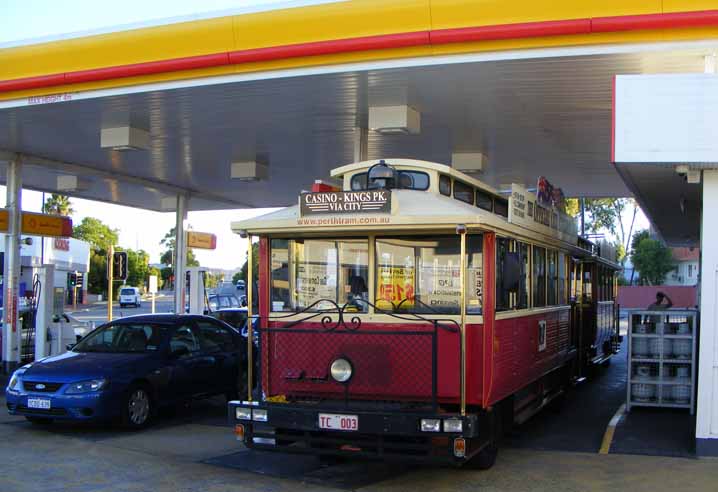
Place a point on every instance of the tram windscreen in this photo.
(421, 274)
(407, 180)
(316, 274)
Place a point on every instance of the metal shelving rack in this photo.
(654, 361)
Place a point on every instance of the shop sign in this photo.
(201, 240)
(345, 202)
(61, 244)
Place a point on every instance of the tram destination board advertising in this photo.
(345, 202)
(526, 211)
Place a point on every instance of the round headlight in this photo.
(341, 370)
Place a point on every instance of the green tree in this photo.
(101, 237)
(97, 233)
(242, 275)
(138, 267)
(168, 255)
(607, 214)
(652, 259)
(58, 205)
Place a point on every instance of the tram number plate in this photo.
(333, 421)
(40, 403)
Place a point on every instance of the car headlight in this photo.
(341, 370)
(15, 383)
(86, 386)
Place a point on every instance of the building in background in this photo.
(71, 258)
(686, 272)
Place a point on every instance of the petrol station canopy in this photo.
(529, 85)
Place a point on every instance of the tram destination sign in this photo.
(345, 202)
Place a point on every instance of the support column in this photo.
(11, 325)
(180, 253)
(361, 144)
(707, 398)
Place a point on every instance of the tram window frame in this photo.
(444, 181)
(486, 202)
(343, 277)
(466, 195)
(508, 299)
(419, 276)
(538, 276)
(503, 209)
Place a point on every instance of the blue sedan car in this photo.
(129, 368)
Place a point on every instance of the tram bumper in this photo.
(441, 438)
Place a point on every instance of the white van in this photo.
(130, 296)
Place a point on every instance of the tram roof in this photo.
(527, 85)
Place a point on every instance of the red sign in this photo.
(61, 244)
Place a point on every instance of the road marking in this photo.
(611, 429)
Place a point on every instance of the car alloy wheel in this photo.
(138, 407)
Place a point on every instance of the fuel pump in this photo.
(44, 307)
(196, 291)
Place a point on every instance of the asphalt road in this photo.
(97, 313)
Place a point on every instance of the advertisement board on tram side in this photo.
(526, 211)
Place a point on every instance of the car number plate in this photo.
(333, 421)
(41, 403)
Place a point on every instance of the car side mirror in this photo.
(179, 352)
(70, 346)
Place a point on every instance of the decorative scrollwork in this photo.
(328, 323)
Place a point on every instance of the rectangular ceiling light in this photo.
(391, 120)
(468, 162)
(124, 138)
(249, 171)
(66, 182)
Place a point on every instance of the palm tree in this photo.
(58, 205)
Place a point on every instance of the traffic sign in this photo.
(119, 265)
(201, 240)
(39, 224)
(153, 284)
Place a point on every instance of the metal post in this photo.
(250, 327)
(361, 144)
(461, 230)
(12, 337)
(153, 303)
(583, 216)
(180, 253)
(110, 279)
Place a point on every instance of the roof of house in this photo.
(686, 254)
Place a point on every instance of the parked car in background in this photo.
(222, 301)
(129, 368)
(130, 296)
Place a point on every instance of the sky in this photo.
(22, 20)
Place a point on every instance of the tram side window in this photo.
(421, 274)
(512, 281)
(552, 278)
(318, 271)
(445, 185)
(562, 299)
(463, 192)
(484, 200)
(501, 207)
(539, 276)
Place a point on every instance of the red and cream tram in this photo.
(415, 312)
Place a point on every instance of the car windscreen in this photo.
(127, 292)
(124, 337)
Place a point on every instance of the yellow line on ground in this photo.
(611, 429)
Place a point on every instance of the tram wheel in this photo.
(485, 458)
